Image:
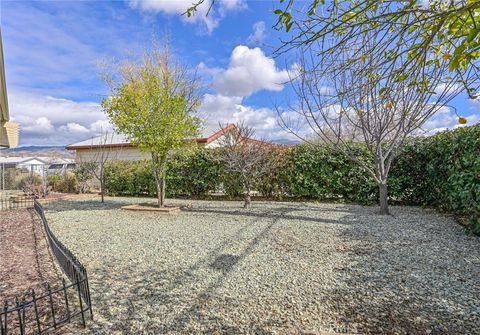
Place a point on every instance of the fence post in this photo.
(20, 321)
(3, 176)
(88, 295)
(37, 318)
(66, 298)
(5, 309)
(51, 305)
(80, 299)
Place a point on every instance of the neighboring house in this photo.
(62, 166)
(38, 165)
(8, 130)
(120, 148)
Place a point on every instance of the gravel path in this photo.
(279, 268)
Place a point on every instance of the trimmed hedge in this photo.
(318, 172)
(129, 178)
(192, 175)
(441, 171)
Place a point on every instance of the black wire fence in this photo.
(40, 313)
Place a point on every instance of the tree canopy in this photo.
(408, 35)
(154, 103)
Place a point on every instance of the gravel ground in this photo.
(278, 268)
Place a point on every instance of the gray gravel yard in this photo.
(278, 268)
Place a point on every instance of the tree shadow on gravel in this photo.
(408, 278)
(133, 301)
(271, 215)
(82, 205)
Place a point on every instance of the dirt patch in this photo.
(26, 262)
(151, 208)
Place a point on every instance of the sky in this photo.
(54, 51)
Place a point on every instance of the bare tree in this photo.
(348, 106)
(102, 154)
(245, 156)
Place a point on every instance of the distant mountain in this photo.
(33, 150)
(287, 141)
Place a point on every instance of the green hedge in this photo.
(192, 175)
(304, 172)
(129, 179)
(441, 171)
(318, 172)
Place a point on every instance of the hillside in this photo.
(50, 151)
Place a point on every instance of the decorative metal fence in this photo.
(39, 313)
(16, 202)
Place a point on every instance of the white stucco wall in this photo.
(125, 154)
(214, 144)
(121, 154)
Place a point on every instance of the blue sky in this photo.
(53, 48)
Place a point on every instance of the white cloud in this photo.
(249, 71)
(259, 34)
(203, 69)
(48, 120)
(447, 88)
(445, 119)
(74, 127)
(475, 103)
(220, 109)
(41, 127)
(209, 19)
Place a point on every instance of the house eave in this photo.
(9, 133)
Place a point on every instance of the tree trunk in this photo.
(247, 200)
(383, 198)
(161, 196)
(160, 181)
(102, 190)
(159, 174)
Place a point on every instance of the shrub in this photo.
(54, 180)
(67, 183)
(318, 172)
(194, 174)
(84, 172)
(273, 183)
(189, 175)
(119, 177)
(11, 177)
(442, 171)
(29, 184)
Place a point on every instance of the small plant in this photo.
(30, 184)
(68, 183)
(53, 180)
(84, 172)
